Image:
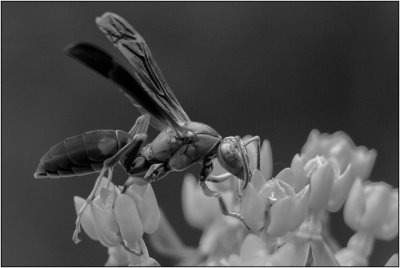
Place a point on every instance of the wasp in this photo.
(180, 143)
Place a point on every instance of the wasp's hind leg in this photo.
(89, 200)
(205, 172)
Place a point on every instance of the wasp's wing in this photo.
(134, 48)
(132, 85)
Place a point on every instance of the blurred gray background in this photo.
(277, 70)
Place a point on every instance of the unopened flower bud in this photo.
(372, 208)
(363, 161)
(358, 250)
(340, 148)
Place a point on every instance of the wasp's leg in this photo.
(245, 164)
(157, 172)
(219, 178)
(154, 173)
(141, 125)
(89, 200)
(224, 209)
(126, 247)
(205, 171)
(132, 147)
(137, 166)
(257, 140)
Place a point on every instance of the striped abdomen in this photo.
(81, 154)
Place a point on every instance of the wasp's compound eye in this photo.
(229, 156)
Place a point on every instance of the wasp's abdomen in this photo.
(81, 154)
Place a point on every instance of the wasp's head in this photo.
(230, 155)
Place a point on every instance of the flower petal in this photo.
(117, 256)
(252, 247)
(390, 227)
(297, 167)
(376, 206)
(199, 210)
(287, 176)
(128, 219)
(313, 143)
(266, 160)
(103, 184)
(363, 161)
(341, 150)
(280, 213)
(257, 179)
(274, 190)
(145, 259)
(252, 208)
(300, 208)
(293, 253)
(321, 184)
(87, 218)
(348, 257)
(106, 197)
(149, 211)
(354, 207)
(393, 261)
(362, 243)
(340, 189)
(104, 223)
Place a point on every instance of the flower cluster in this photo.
(287, 214)
(118, 220)
(285, 217)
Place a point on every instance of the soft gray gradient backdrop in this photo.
(277, 70)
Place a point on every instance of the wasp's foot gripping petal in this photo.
(86, 220)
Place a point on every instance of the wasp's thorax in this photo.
(230, 157)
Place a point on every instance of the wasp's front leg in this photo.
(255, 139)
(204, 173)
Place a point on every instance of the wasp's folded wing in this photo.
(134, 48)
(132, 86)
